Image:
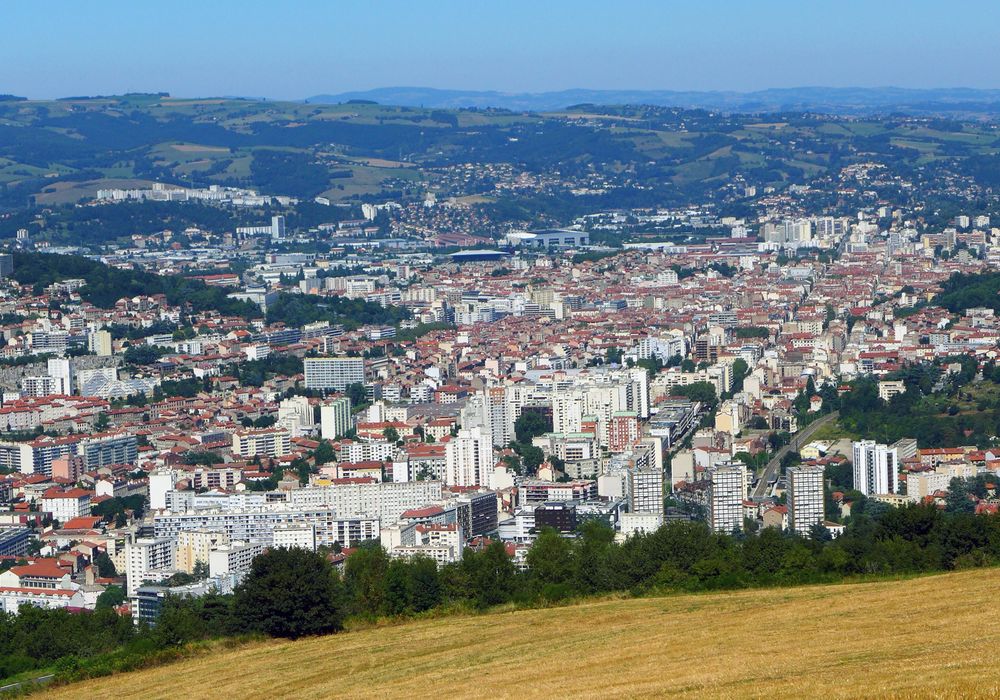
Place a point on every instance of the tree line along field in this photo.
(934, 636)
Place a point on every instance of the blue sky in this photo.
(297, 48)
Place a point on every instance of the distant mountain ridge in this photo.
(849, 100)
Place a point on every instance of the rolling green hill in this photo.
(65, 149)
(580, 160)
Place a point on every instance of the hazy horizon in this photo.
(308, 47)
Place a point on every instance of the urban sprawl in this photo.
(540, 381)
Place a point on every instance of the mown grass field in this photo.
(937, 636)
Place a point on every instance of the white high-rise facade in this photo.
(99, 342)
(805, 497)
(726, 492)
(296, 414)
(468, 458)
(491, 410)
(148, 557)
(61, 370)
(599, 397)
(335, 418)
(876, 468)
(277, 227)
(334, 372)
(645, 490)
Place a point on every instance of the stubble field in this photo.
(937, 636)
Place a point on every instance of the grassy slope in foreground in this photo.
(934, 636)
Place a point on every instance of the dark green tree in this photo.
(531, 424)
(424, 584)
(532, 457)
(105, 566)
(491, 574)
(102, 422)
(550, 558)
(364, 573)
(591, 557)
(324, 454)
(396, 596)
(289, 593)
(110, 597)
(958, 499)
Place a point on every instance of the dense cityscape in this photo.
(375, 393)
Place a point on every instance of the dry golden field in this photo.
(937, 636)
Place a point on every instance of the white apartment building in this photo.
(296, 411)
(366, 451)
(468, 458)
(726, 492)
(876, 468)
(160, 482)
(338, 373)
(887, 389)
(64, 505)
(61, 371)
(39, 386)
(634, 523)
(598, 396)
(149, 558)
(645, 490)
(266, 442)
(664, 348)
(296, 537)
(99, 343)
(442, 543)
(919, 485)
(107, 450)
(235, 557)
(491, 410)
(335, 418)
(805, 497)
(385, 501)
(194, 546)
(258, 524)
(36, 457)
